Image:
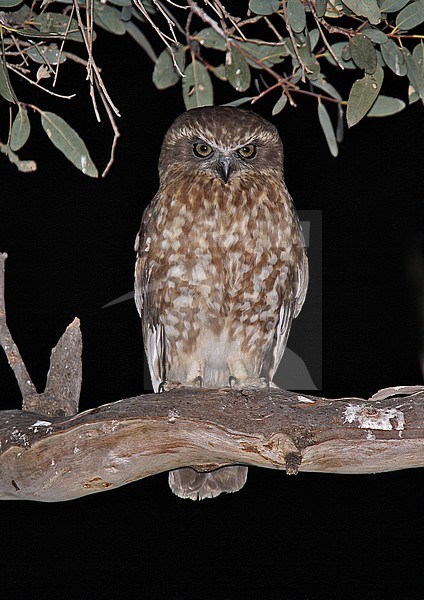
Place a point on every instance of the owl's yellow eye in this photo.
(202, 150)
(248, 151)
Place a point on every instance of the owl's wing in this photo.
(288, 311)
(153, 334)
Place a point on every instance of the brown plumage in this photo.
(221, 268)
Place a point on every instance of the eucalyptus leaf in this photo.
(237, 70)
(239, 101)
(309, 60)
(322, 84)
(21, 129)
(385, 106)
(363, 95)
(24, 166)
(337, 48)
(365, 8)
(363, 53)
(411, 16)
(314, 36)
(418, 54)
(264, 7)
(121, 2)
(108, 18)
(5, 89)
(46, 54)
(296, 15)
(165, 73)
(139, 37)
(279, 105)
(415, 74)
(219, 72)
(388, 6)
(340, 125)
(327, 127)
(375, 35)
(209, 38)
(267, 55)
(320, 7)
(69, 142)
(9, 3)
(197, 86)
(394, 57)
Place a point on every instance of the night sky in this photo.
(70, 244)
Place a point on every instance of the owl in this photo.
(221, 266)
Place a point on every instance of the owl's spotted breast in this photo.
(221, 262)
(221, 269)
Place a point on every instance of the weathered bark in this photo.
(52, 459)
(50, 453)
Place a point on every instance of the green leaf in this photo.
(109, 18)
(121, 2)
(20, 129)
(320, 7)
(24, 166)
(69, 142)
(139, 37)
(50, 24)
(314, 36)
(239, 101)
(365, 8)
(197, 86)
(337, 48)
(363, 53)
(363, 95)
(322, 84)
(46, 54)
(340, 125)
(415, 73)
(209, 38)
(237, 70)
(9, 3)
(219, 72)
(296, 15)
(165, 74)
(308, 59)
(394, 57)
(327, 127)
(279, 105)
(264, 7)
(375, 35)
(388, 6)
(385, 106)
(411, 16)
(5, 89)
(267, 55)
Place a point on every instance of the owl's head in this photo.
(221, 142)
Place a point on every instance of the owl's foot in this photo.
(167, 386)
(250, 382)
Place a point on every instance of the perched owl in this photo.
(221, 267)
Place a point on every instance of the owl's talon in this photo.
(167, 386)
(198, 381)
(250, 382)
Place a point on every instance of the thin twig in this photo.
(324, 39)
(19, 72)
(304, 69)
(116, 132)
(13, 355)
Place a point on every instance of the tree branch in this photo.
(54, 454)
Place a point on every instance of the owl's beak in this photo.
(224, 167)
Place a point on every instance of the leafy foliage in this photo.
(338, 53)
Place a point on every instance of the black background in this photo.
(70, 245)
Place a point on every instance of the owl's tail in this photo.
(188, 483)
